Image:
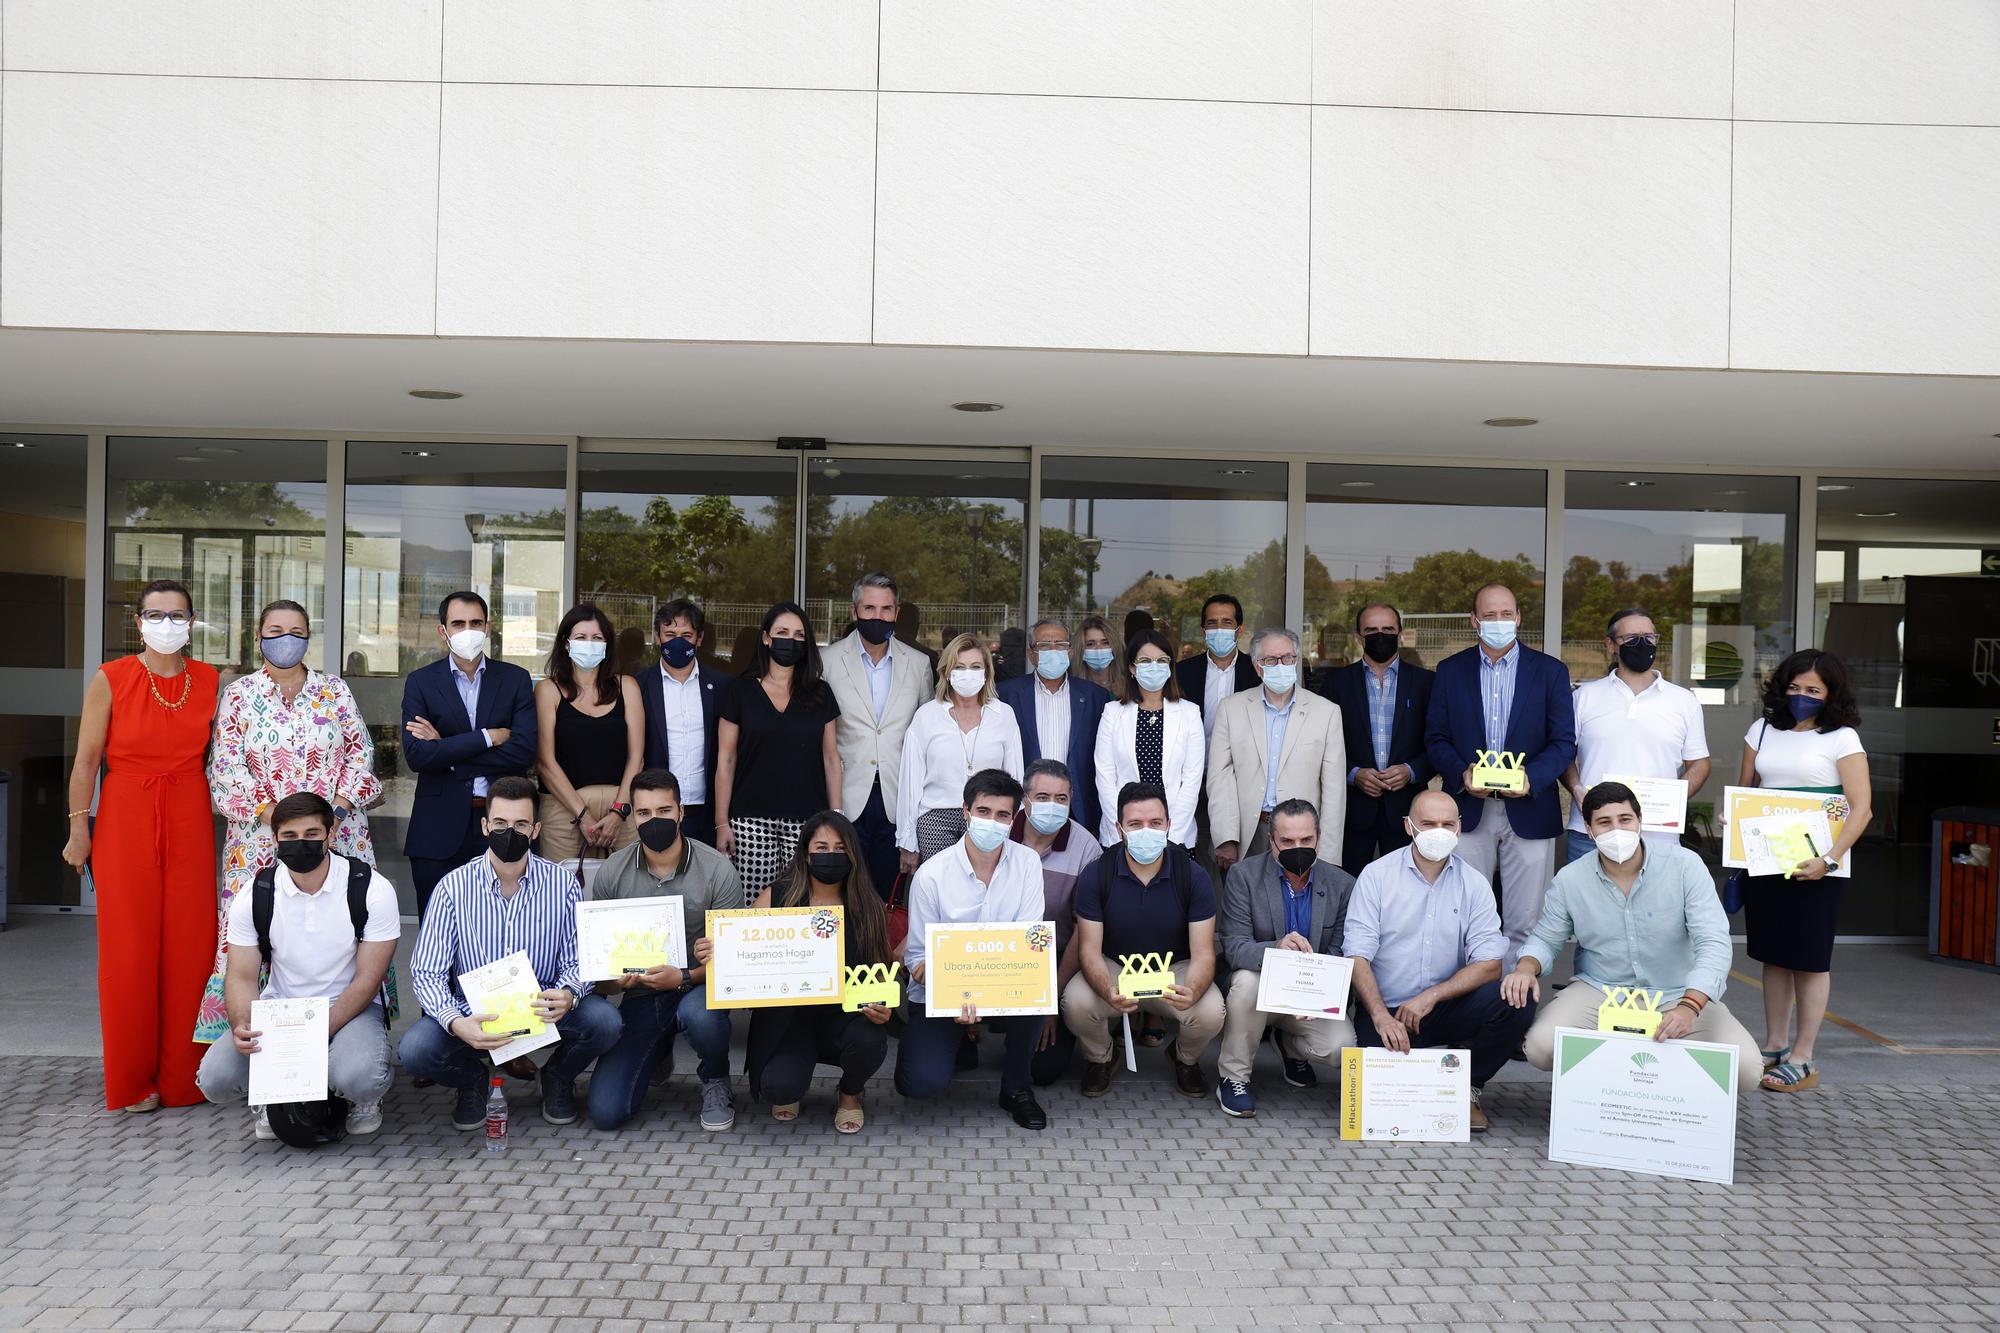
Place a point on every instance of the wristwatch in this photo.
(688, 982)
(623, 810)
(1831, 864)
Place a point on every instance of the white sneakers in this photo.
(260, 1123)
(364, 1118)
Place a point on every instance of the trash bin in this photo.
(1965, 886)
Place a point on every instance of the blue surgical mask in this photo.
(1153, 675)
(1803, 706)
(1147, 845)
(586, 653)
(1280, 679)
(1497, 633)
(987, 834)
(1221, 642)
(1048, 816)
(1097, 658)
(1052, 663)
(283, 651)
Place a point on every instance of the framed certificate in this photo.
(1740, 805)
(1663, 803)
(1002, 969)
(1422, 1096)
(1660, 1108)
(1305, 985)
(775, 956)
(620, 936)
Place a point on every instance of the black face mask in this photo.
(788, 652)
(1297, 860)
(875, 631)
(507, 844)
(301, 855)
(830, 867)
(677, 652)
(1638, 655)
(1381, 645)
(659, 833)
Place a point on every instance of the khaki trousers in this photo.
(1309, 1038)
(1086, 1013)
(1576, 1006)
(563, 840)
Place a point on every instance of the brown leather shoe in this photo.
(1187, 1080)
(1479, 1125)
(1096, 1079)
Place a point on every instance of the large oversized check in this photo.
(1421, 1095)
(1661, 1108)
(1000, 968)
(768, 957)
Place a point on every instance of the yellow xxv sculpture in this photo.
(871, 983)
(1145, 975)
(635, 951)
(1631, 1010)
(1499, 770)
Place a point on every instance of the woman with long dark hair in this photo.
(592, 730)
(1150, 734)
(787, 1044)
(776, 762)
(1805, 742)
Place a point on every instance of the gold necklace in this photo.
(153, 684)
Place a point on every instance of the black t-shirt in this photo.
(779, 770)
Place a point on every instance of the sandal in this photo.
(1773, 1057)
(849, 1119)
(1791, 1076)
(150, 1102)
(785, 1113)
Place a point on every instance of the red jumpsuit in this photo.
(152, 858)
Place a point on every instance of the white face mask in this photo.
(165, 637)
(468, 644)
(1618, 845)
(586, 653)
(1435, 844)
(967, 681)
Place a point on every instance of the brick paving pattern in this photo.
(1856, 1207)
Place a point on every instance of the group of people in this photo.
(1208, 808)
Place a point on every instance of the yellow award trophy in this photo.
(1630, 1010)
(1499, 770)
(1145, 976)
(871, 983)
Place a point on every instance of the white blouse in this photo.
(938, 757)
(1800, 758)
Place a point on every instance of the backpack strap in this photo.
(359, 876)
(263, 900)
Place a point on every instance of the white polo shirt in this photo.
(1649, 734)
(312, 936)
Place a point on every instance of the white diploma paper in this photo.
(507, 987)
(1660, 1108)
(1422, 1096)
(1663, 803)
(622, 935)
(290, 1063)
(1306, 985)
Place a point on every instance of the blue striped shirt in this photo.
(1496, 688)
(470, 924)
(1381, 692)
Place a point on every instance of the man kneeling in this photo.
(300, 920)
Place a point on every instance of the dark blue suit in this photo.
(1086, 707)
(697, 821)
(1540, 724)
(1375, 823)
(444, 831)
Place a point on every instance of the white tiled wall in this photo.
(327, 39)
(1926, 62)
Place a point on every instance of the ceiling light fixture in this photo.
(417, 453)
(1356, 485)
(436, 395)
(19, 444)
(1512, 421)
(1833, 486)
(1636, 484)
(970, 476)
(191, 458)
(1232, 472)
(971, 406)
(1878, 513)
(1734, 492)
(217, 449)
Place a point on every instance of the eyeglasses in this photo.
(1046, 645)
(1289, 659)
(1624, 639)
(526, 826)
(167, 617)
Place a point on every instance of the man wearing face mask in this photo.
(1633, 722)
(1287, 898)
(326, 927)
(1502, 696)
(683, 706)
(1058, 713)
(1270, 745)
(1383, 703)
(1068, 848)
(879, 686)
(1426, 945)
(658, 1004)
(1642, 915)
(467, 720)
(507, 901)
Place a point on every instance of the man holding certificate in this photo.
(1295, 903)
(669, 996)
(983, 877)
(1643, 917)
(508, 901)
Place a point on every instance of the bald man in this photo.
(1425, 938)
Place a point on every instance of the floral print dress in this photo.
(264, 750)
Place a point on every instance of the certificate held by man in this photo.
(1002, 969)
(508, 989)
(1661, 1108)
(290, 1062)
(1305, 985)
(619, 937)
(765, 958)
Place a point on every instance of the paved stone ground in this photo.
(1858, 1206)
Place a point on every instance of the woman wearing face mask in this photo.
(963, 729)
(786, 1044)
(146, 722)
(592, 726)
(1150, 734)
(1806, 741)
(1098, 652)
(283, 729)
(776, 763)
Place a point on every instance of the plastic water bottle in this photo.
(496, 1119)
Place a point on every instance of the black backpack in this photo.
(264, 901)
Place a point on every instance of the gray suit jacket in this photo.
(1253, 910)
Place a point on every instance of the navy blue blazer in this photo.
(1348, 687)
(1541, 724)
(1192, 675)
(446, 767)
(1086, 707)
(653, 693)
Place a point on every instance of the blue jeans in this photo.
(587, 1031)
(1576, 846)
(652, 1017)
